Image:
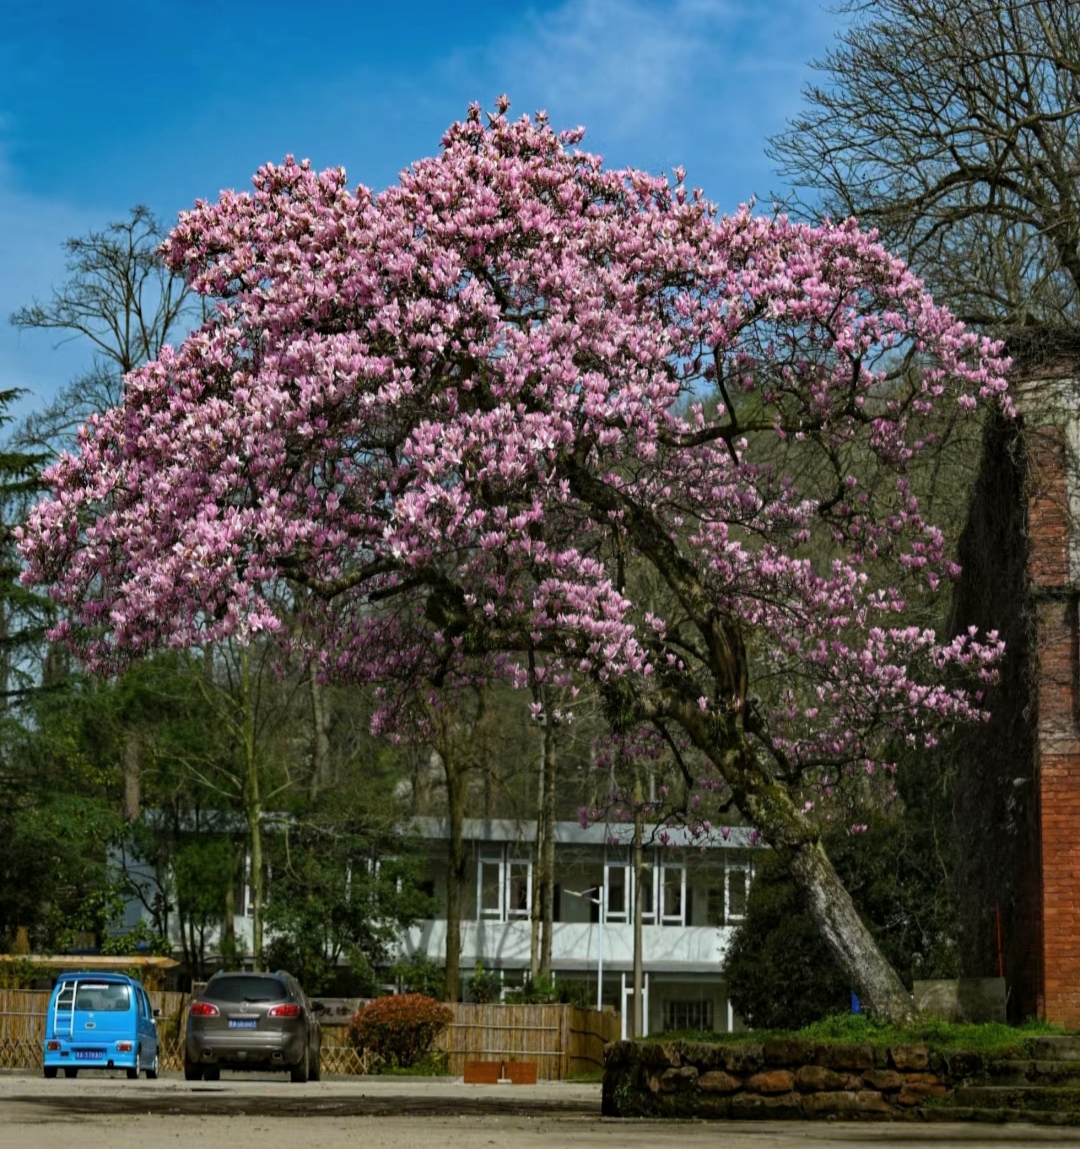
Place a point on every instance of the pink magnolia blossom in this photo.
(449, 424)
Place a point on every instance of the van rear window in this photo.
(245, 987)
(102, 998)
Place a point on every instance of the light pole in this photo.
(597, 901)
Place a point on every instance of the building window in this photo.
(648, 896)
(490, 887)
(726, 902)
(503, 886)
(617, 892)
(737, 886)
(673, 895)
(518, 888)
(691, 1015)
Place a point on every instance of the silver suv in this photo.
(252, 1021)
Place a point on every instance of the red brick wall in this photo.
(1058, 730)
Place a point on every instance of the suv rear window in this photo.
(246, 987)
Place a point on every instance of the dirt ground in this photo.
(95, 1112)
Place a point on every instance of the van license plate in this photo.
(241, 1023)
(89, 1054)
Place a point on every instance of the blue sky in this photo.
(109, 103)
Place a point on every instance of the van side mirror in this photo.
(157, 1012)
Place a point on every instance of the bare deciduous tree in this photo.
(953, 126)
(118, 296)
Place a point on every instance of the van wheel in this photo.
(71, 1071)
(132, 1074)
(50, 1071)
(192, 1072)
(151, 1073)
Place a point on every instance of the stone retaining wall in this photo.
(776, 1079)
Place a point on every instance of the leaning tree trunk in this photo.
(797, 842)
(769, 806)
(879, 987)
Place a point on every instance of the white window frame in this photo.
(490, 857)
(514, 859)
(666, 918)
(652, 881)
(745, 868)
(626, 914)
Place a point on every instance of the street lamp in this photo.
(597, 901)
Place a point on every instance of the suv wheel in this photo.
(299, 1072)
(315, 1068)
(192, 1072)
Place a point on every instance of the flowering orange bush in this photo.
(400, 1029)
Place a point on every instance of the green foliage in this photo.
(545, 991)
(342, 888)
(399, 1029)
(434, 1063)
(779, 972)
(139, 940)
(485, 986)
(421, 975)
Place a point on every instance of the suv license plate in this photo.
(241, 1023)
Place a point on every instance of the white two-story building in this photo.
(695, 896)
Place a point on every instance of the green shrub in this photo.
(544, 991)
(780, 974)
(399, 1029)
(419, 974)
(485, 986)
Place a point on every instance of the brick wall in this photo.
(1058, 730)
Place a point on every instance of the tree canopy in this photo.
(461, 413)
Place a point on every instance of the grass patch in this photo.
(593, 1076)
(434, 1064)
(991, 1039)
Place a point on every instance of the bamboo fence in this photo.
(563, 1040)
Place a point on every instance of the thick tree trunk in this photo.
(880, 990)
(132, 772)
(456, 786)
(769, 805)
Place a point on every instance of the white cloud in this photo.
(696, 82)
(624, 63)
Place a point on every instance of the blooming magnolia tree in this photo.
(464, 420)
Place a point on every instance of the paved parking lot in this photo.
(97, 1112)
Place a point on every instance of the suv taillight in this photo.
(204, 1009)
(290, 1010)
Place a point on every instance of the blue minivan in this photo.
(100, 1021)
